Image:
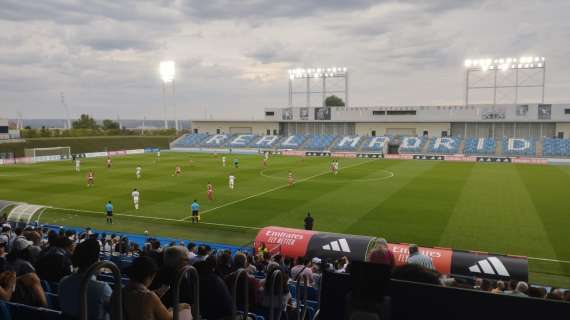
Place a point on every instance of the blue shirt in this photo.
(195, 206)
(109, 207)
(98, 297)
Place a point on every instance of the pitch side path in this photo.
(503, 208)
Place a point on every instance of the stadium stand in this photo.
(242, 140)
(348, 143)
(375, 144)
(480, 146)
(216, 141)
(514, 147)
(412, 144)
(519, 147)
(191, 140)
(292, 142)
(556, 147)
(319, 143)
(275, 286)
(444, 145)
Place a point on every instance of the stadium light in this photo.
(318, 72)
(167, 71)
(524, 62)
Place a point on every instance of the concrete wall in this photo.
(255, 127)
(563, 127)
(433, 129)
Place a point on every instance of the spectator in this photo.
(381, 254)
(215, 298)
(28, 286)
(55, 263)
(240, 262)
(281, 297)
(537, 292)
(554, 294)
(485, 285)
(416, 273)
(7, 285)
(98, 293)
(139, 302)
(521, 290)
(155, 252)
(418, 258)
(175, 259)
(224, 263)
(201, 256)
(303, 268)
(191, 250)
(499, 288)
(567, 295)
(251, 265)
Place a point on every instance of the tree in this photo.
(334, 101)
(110, 124)
(84, 122)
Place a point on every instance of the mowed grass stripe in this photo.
(418, 212)
(552, 206)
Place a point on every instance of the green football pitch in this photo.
(500, 208)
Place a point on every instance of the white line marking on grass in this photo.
(548, 260)
(274, 189)
(150, 218)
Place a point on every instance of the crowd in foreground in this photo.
(32, 257)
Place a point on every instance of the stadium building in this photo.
(532, 130)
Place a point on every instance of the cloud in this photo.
(232, 56)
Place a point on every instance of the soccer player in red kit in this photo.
(90, 178)
(108, 162)
(210, 192)
(290, 179)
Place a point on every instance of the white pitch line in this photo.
(548, 260)
(228, 225)
(271, 190)
(151, 218)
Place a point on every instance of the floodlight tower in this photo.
(66, 108)
(318, 73)
(523, 66)
(167, 73)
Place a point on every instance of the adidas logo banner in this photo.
(334, 246)
(489, 266)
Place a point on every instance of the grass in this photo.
(88, 144)
(501, 208)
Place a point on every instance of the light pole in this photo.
(167, 73)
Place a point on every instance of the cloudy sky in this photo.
(232, 56)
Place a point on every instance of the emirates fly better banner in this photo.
(297, 243)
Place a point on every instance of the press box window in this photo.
(269, 113)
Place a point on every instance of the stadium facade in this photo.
(483, 121)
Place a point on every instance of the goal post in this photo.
(63, 152)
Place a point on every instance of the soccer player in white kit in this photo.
(136, 195)
(77, 165)
(224, 161)
(232, 181)
(138, 171)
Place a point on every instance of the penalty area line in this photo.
(152, 218)
(271, 190)
(548, 260)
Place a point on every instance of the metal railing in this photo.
(195, 288)
(302, 301)
(276, 277)
(117, 298)
(241, 273)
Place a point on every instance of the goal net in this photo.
(63, 152)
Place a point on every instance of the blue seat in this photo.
(518, 147)
(24, 312)
(412, 146)
(4, 311)
(374, 144)
(440, 145)
(471, 146)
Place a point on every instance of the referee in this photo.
(109, 210)
(195, 212)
